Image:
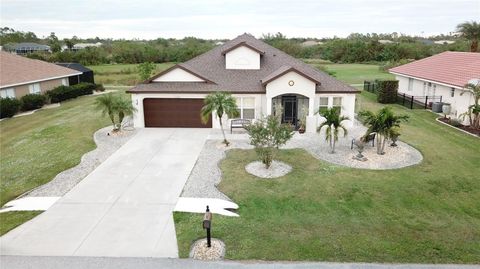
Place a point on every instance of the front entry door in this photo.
(289, 104)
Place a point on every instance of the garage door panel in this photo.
(178, 112)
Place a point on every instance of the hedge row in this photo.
(62, 93)
(9, 107)
(387, 91)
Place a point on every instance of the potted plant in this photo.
(302, 122)
(394, 133)
(301, 126)
(360, 146)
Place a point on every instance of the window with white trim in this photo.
(64, 82)
(323, 105)
(246, 107)
(7, 93)
(452, 92)
(34, 88)
(337, 104)
(410, 84)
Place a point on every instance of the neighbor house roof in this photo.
(30, 45)
(17, 70)
(452, 68)
(211, 66)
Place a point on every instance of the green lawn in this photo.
(357, 73)
(10, 220)
(121, 74)
(428, 213)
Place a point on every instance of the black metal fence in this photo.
(410, 101)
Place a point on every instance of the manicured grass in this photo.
(37, 147)
(10, 220)
(428, 213)
(357, 73)
(121, 74)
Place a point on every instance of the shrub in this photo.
(8, 107)
(267, 135)
(32, 101)
(387, 91)
(62, 93)
(99, 88)
(455, 122)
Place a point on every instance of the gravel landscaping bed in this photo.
(200, 251)
(206, 174)
(66, 180)
(276, 169)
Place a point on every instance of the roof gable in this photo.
(284, 70)
(190, 75)
(243, 44)
(451, 68)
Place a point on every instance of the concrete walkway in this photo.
(123, 208)
(16, 262)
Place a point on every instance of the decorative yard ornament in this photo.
(207, 223)
(360, 147)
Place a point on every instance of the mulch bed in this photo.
(463, 127)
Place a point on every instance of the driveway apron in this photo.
(123, 208)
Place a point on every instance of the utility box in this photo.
(437, 107)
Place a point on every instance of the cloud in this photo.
(226, 19)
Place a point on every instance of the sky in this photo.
(216, 19)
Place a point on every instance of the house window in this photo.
(7, 93)
(337, 104)
(434, 89)
(64, 82)
(424, 88)
(323, 105)
(452, 92)
(410, 84)
(246, 107)
(34, 88)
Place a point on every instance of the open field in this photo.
(428, 213)
(357, 73)
(121, 74)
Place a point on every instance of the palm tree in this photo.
(219, 103)
(473, 111)
(334, 125)
(123, 107)
(382, 124)
(106, 104)
(470, 31)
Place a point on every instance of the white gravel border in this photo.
(276, 169)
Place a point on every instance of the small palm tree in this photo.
(219, 103)
(473, 111)
(382, 124)
(123, 107)
(334, 125)
(106, 104)
(470, 31)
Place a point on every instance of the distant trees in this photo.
(471, 32)
(145, 70)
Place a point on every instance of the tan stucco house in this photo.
(258, 75)
(20, 75)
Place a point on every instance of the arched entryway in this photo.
(293, 108)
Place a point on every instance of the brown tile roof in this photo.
(18, 70)
(211, 65)
(452, 68)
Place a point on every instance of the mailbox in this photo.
(207, 225)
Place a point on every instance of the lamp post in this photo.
(207, 222)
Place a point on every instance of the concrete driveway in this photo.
(123, 208)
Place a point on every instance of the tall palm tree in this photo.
(470, 31)
(219, 103)
(334, 125)
(382, 124)
(106, 104)
(123, 107)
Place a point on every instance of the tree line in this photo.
(356, 48)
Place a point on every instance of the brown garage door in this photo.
(160, 112)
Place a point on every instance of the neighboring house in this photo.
(444, 42)
(20, 75)
(258, 75)
(26, 48)
(444, 74)
(86, 76)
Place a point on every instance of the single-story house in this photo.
(20, 75)
(444, 75)
(259, 76)
(29, 47)
(86, 76)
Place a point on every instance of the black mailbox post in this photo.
(207, 223)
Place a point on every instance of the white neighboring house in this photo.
(259, 76)
(444, 75)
